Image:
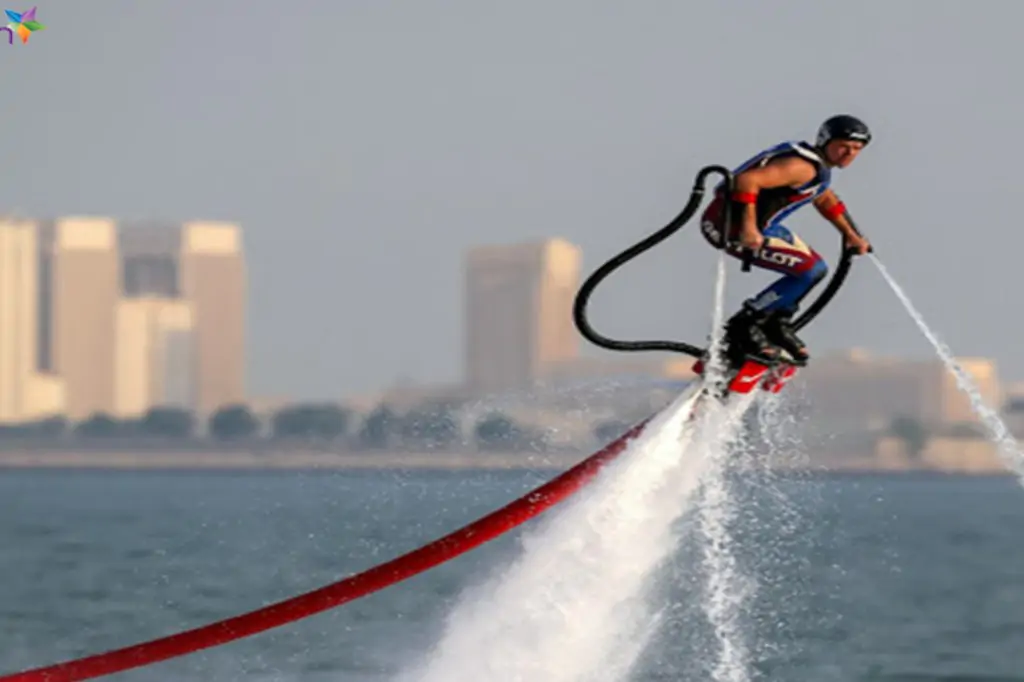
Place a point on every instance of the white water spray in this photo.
(1007, 445)
(567, 608)
(573, 607)
(726, 588)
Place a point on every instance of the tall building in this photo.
(519, 312)
(213, 279)
(80, 285)
(26, 394)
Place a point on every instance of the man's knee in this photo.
(817, 271)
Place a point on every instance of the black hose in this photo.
(585, 292)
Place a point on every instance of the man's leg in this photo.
(762, 324)
(803, 268)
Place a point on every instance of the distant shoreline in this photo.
(375, 461)
(200, 461)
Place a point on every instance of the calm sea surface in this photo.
(909, 578)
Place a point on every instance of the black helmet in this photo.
(843, 127)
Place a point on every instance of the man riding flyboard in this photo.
(768, 188)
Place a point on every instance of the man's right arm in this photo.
(786, 172)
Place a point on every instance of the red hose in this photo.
(335, 594)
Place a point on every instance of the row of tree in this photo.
(432, 427)
(320, 424)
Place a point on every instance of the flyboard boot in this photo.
(748, 353)
(778, 330)
(745, 336)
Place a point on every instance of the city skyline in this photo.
(103, 318)
(356, 226)
(528, 287)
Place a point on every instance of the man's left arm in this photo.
(833, 210)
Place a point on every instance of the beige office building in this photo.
(213, 279)
(26, 394)
(79, 291)
(519, 312)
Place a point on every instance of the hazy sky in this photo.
(364, 145)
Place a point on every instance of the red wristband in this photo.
(745, 197)
(835, 210)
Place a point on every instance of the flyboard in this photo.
(744, 374)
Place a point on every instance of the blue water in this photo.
(909, 578)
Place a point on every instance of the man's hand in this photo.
(751, 237)
(858, 243)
